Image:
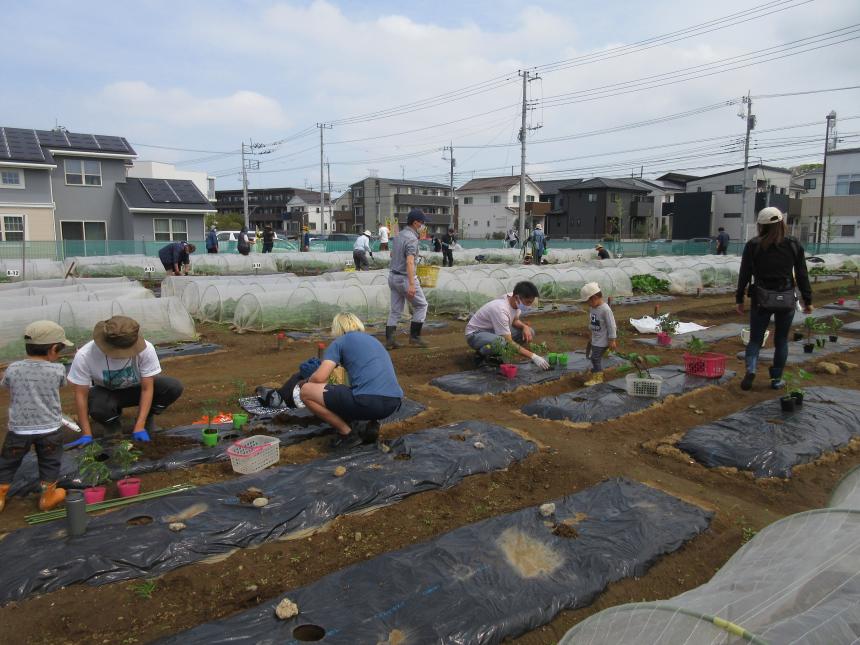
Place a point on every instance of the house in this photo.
(271, 206)
(304, 210)
(841, 212)
(158, 170)
(344, 218)
(60, 185)
(162, 210)
(376, 200)
(489, 206)
(601, 207)
(715, 201)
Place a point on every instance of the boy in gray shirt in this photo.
(35, 414)
(603, 329)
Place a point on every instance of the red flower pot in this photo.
(128, 487)
(664, 339)
(507, 370)
(841, 301)
(95, 494)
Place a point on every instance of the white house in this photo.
(491, 204)
(304, 208)
(158, 170)
(841, 212)
(766, 185)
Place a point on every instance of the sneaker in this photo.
(746, 383)
(777, 384)
(346, 441)
(370, 432)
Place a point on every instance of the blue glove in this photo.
(140, 435)
(83, 441)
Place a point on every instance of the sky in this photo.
(187, 82)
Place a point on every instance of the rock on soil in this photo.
(286, 609)
(828, 368)
(340, 471)
(547, 509)
(176, 526)
(260, 502)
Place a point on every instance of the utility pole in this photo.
(831, 121)
(451, 215)
(527, 78)
(244, 186)
(331, 211)
(750, 119)
(322, 127)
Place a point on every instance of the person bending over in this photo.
(373, 393)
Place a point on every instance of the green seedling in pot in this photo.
(793, 379)
(696, 346)
(505, 352)
(209, 410)
(639, 362)
(842, 292)
(812, 327)
(92, 466)
(835, 325)
(538, 348)
(125, 456)
(668, 325)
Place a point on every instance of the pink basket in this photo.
(708, 365)
(253, 454)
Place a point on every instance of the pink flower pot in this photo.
(507, 370)
(664, 339)
(95, 494)
(128, 487)
(841, 301)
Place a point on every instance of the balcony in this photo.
(418, 201)
(642, 209)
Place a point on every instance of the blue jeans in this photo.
(759, 320)
(484, 341)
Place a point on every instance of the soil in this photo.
(248, 495)
(569, 460)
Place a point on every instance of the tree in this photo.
(230, 221)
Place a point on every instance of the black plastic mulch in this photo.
(769, 442)
(610, 400)
(797, 355)
(186, 349)
(301, 498)
(482, 583)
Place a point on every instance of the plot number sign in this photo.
(256, 265)
(13, 273)
(149, 269)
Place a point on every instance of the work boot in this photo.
(596, 379)
(390, 341)
(370, 432)
(415, 335)
(776, 380)
(4, 488)
(746, 383)
(51, 497)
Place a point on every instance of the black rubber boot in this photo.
(415, 335)
(390, 342)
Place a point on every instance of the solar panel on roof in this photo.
(52, 138)
(112, 144)
(159, 191)
(23, 145)
(82, 141)
(186, 191)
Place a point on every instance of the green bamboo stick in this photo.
(49, 516)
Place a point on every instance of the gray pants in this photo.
(597, 358)
(398, 284)
(484, 341)
(360, 260)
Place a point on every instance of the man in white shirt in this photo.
(383, 237)
(116, 370)
(360, 251)
(499, 320)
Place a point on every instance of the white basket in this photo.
(745, 336)
(252, 454)
(647, 387)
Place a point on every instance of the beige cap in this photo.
(769, 215)
(119, 337)
(368, 234)
(588, 290)
(599, 246)
(46, 332)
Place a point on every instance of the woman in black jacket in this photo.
(774, 262)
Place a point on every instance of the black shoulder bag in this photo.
(775, 300)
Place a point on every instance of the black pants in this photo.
(360, 260)
(268, 246)
(106, 405)
(447, 257)
(49, 452)
(215, 250)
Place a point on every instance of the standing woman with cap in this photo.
(360, 251)
(119, 369)
(403, 281)
(775, 264)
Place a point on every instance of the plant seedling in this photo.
(668, 325)
(793, 379)
(241, 388)
(639, 362)
(835, 325)
(144, 589)
(696, 346)
(125, 456)
(505, 351)
(209, 410)
(538, 348)
(91, 465)
(812, 327)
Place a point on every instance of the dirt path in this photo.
(570, 460)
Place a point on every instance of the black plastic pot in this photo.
(798, 399)
(798, 335)
(787, 403)
(808, 347)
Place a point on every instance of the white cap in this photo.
(769, 215)
(588, 290)
(368, 233)
(538, 227)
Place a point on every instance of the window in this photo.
(592, 197)
(11, 179)
(356, 192)
(613, 197)
(170, 230)
(516, 199)
(809, 184)
(83, 230)
(475, 223)
(488, 223)
(698, 189)
(847, 230)
(496, 199)
(734, 189)
(83, 172)
(530, 198)
(848, 185)
(468, 200)
(13, 228)
(731, 215)
(782, 191)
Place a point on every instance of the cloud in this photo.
(178, 107)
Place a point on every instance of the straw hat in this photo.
(588, 290)
(119, 337)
